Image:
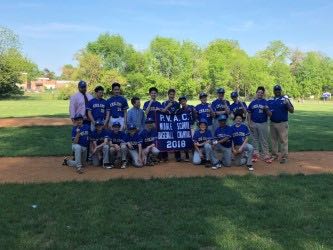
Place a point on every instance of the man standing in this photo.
(79, 102)
(279, 106)
(117, 106)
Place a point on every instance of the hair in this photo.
(115, 84)
(171, 91)
(99, 88)
(238, 114)
(134, 99)
(261, 88)
(153, 89)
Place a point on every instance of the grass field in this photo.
(285, 212)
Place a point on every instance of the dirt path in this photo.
(49, 169)
(34, 121)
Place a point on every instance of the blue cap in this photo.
(99, 123)
(202, 94)
(234, 94)
(182, 98)
(277, 87)
(116, 124)
(220, 91)
(149, 120)
(131, 126)
(82, 84)
(222, 118)
(78, 116)
(203, 121)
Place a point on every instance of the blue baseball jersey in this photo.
(224, 132)
(189, 110)
(148, 137)
(173, 108)
(204, 112)
(117, 138)
(256, 108)
(117, 106)
(202, 137)
(99, 137)
(84, 135)
(154, 106)
(238, 108)
(134, 139)
(279, 109)
(239, 134)
(97, 108)
(220, 105)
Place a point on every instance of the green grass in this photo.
(285, 212)
(35, 141)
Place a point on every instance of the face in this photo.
(153, 94)
(99, 94)
(137, 104)
(183, 102)
(83, 90)
(99, 128)
(260, 94)
(150, 125)
(79, 122)
(202, 126)
(222, 123)
(238, 120)
(203, 99)
(116, 90)
(172, 95)
(234, 99)
(132, 131)
(277, 92)
(220, 95)
(115, 129)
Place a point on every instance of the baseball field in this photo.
(44, 205)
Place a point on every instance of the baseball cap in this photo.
(149, 120)
(182, 98)
(99, 123)
(220, 91)
(78, 116)
(222, 118)
(202, 94)
(234, 94)
(116, 124)
(131, 126)
(277, 87)
(82, 84)
(203, 121)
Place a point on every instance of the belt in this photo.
(278, 121)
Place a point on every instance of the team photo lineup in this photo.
(107, 133)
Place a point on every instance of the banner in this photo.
(173, 132)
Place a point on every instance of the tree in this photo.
(8, 40)
(68, 72)
(48, 74)
(276, 51)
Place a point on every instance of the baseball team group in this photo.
(107, 133)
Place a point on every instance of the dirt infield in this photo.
(34, 121)
(49, 169)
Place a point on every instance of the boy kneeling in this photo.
(100, 147)
(134, 145)
(80, 142)
(117, 143)
(241, 149)
(149, 137)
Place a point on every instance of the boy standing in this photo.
(97, 108)
(204, 111)
(150, 107)
(117, 145)
(237, 107)
(80, 142)
(134, 144)
(117, 107)
(136, 115)
(220, 106)
(149, 137)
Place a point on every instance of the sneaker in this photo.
(283, 161)
(64, 163)
(79, 170)
(107, 166)
(216, 166)
(124, 165)
(250, 167)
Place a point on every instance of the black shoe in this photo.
(107, 166)
(64, 163)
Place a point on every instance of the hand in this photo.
(94, 150)
(215, 142)
(77, 130)
(116, 146)
(130, 146)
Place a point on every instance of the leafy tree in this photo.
(68, 72)
(90, 67)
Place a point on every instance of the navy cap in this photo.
(131, 126)
(277, 87)
(203, 121)
(220, 91)
(149, 120)
(116, 124)
(82, 84)
(234, 94)
(202, 94)
(182, 98)
(222, 118)
(99, 123)
(78, 116)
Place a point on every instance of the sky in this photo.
(51, 32)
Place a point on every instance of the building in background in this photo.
(43, 83)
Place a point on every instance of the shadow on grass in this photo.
(286, 212)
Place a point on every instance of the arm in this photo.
(91, 118)
(243, 144)
(165, 110)
(140, 152)
(77, 136)
(71, 108)
(107, 118)
(290, 107)
(148, 107)
(125, 119)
